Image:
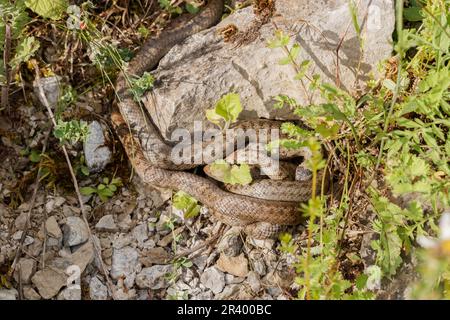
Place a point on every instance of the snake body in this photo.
(150, 154)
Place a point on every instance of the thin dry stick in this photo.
(205, 243)
(32, 201)
(6, 58)
(75, 184)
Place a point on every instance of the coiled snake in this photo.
(150, 154)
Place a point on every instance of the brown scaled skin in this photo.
(260, 218)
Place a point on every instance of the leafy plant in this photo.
(399, 132)
(104, 190)
(232, 174)
(186, 203)
(24, 51)
(141, 85)
(73, 131)
(166, 5)
(52, 9)
(226, 111)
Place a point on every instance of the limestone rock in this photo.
(213, 279)
(30, 294)
(106, 224)
(75, 231)
(154, 277)
(48, 282)
(237, 266)
(51, 87)
(153, 256)
(253, 71)
(231, 242)
(27, 268)
(96, 152)
(125, 263)
(97, 290)
(70, 294)
(52, 227)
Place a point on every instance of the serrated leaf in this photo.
(52, 9)
(24, 51)
(240, 174)
(232, 174)
(186, 203)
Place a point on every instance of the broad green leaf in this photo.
(229, 107)
(232, 174)
(101, 186)
(240, 174)
(213, 117)
(52, 9)
(413, 14)
(35, 156)
(186, 203)
(192, 8)
(86, 191)
(24, 51)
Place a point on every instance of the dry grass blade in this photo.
(97, 250)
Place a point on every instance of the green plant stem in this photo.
(400, 44)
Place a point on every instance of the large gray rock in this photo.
(213, 279)
(96, 151)
(196, 73)
(154, 277)
(49, 282)
(25, 270)
(125, 264)
(97, 290)
(75, 231)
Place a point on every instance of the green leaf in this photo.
(240, 174)
(86, 191)
(192, 8)
(52, 9)
(24, 51)
(141, 85)
(35, 156)
(213, 117)
(101, 186)
(183, 201)
(116, 181)
(232, 174)
(105, 192)
(284, 61)
(229, 107)
(413, 14)
(280, 40)
(84, 170)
